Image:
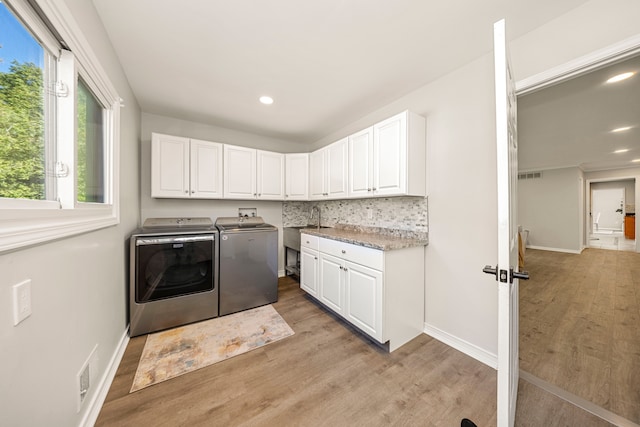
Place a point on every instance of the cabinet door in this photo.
(337, 165)
(239, 172)
(361, 163)
(332, 282)
(363, 300)
(317, 174)
(390, 156)
(206, 169)
(169, 166)
(270, 175)
(309, 271)
(297, 176)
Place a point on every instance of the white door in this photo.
(506, 270)
(332, 282)
(361, 163)
(206, 169)
(309, 271)
(239, 172)
(169, 166)
(363, 302)
(337, 165)
(390, 156)
(297, 176)
(270, 181)
(317, 174)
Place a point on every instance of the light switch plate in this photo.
(21, 301)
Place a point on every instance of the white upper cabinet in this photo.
(399, 161)
(388, 159)
(361, 163)
(270, 178)
(239, 172)
(185, 168)
(317, 172)
(253, 174)
(297, 176)
(328, 171)
(206, 169)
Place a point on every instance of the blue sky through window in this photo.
(16, 43)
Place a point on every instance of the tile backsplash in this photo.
(402, 213)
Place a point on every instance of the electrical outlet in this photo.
(21, 301)
(87, 377)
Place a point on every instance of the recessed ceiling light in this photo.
(624, 150)
(635, 161)
(266, 100)
(622, 129)
(620, 77)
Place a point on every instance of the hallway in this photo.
(580, 325)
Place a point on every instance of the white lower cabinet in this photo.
(363, 302)
(332, 282)
(379, 292)
(309, 280)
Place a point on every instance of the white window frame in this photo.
(29, 222)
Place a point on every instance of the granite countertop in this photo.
(371, 237)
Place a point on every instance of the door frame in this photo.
(616, 52)
(599, 58)
(587, 203)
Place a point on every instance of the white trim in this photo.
(27, 223)
(596, 59)
(92, 411)
(62, 19)
(546, 248)
(471, 350)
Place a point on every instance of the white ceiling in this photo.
(326, 63)
(570, 124)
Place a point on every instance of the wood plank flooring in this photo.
(327, 375)
(580, 325)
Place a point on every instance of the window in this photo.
(59, 127)
(23, 150)
(90, 157)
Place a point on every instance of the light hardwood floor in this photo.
(580, 325)
(328, 374)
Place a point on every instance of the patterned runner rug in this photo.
(168, 354)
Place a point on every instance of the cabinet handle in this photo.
(344, 252)
(315, 257)
(368, 189)
(193, 191)
(374, 188)
(345, 269)
(186, 191)
(341, 268)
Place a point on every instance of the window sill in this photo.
(23, 228)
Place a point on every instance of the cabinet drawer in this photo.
(309, 241)
(372, 258)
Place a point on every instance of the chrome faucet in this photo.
(315, 209)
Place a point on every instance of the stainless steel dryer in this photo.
(248, 263)
(173, 274)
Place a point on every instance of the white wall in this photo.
(150, 207)
(460, 301)
(550, 208)
(78, 286)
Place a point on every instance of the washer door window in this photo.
(170, 266)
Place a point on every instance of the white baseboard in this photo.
(545, 248)
(467, 348)
(95, 404)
